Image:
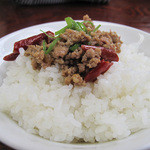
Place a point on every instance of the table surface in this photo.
(135, 13)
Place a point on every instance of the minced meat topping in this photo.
(76, 64)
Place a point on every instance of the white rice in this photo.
(117, 105)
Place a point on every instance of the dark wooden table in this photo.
(135, 13)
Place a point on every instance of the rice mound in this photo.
(115, 106)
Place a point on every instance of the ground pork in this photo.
(38, 58)
(75, 64)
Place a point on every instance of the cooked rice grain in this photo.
(115, 106)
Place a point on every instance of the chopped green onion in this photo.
(74, 47)
(96, 28)
(52, 45)
(62, 30)
(73, 25)
(47, 34)
(88, 22)
(70, 25)
(44, 45)
(78, 27)
(82, 26)
(70, 22)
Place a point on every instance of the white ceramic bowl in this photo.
(14, 136)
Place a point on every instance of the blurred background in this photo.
(18, 14)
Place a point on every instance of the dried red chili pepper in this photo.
(11, 57)
(34, 40)
(101, 68)
(106, 54)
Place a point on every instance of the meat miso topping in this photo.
(81, 50)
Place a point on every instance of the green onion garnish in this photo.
(47, 34)
(74, 47)
(96, 28)
(70, 22)
(73, 25)
(89, 22)
(44, 45)
(82, 26)
(52, 45)
(70, 25)
(78, 26)
(61, 30)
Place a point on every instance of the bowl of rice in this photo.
(39, 111)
